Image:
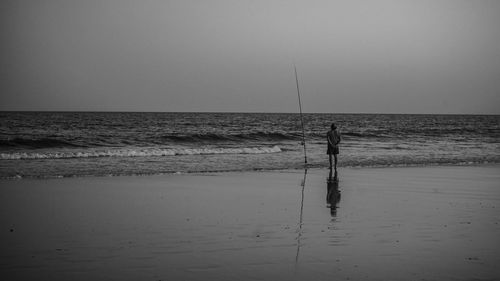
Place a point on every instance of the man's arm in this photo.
(328, 137)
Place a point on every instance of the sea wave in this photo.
(136, 152)
(37, 143)
(100, 140)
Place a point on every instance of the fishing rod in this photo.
(301, 116)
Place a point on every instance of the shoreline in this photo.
(432, 223)
(277, 170)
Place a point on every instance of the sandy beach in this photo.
(428, 223)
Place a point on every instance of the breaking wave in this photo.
(137, 152)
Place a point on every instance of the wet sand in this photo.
(429, 223)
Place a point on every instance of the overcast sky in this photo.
(352, 56)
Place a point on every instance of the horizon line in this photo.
(234, 112)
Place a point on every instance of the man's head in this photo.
(333, 126)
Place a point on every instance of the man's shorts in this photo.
(332, 150)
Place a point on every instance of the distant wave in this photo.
(401, 132)
(137, 152)
(269, 136)
(363, 135)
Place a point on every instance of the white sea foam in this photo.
(137, 152)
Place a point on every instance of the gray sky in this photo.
(352, 56)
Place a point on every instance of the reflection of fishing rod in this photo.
(303, 184)
(299, 230)
(301, 117)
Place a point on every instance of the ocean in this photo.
(75, 144)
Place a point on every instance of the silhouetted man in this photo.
(333, 137)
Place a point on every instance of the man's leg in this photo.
(330, 159)
(334, 155)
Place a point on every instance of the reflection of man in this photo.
(333, 193)
(333, 137)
